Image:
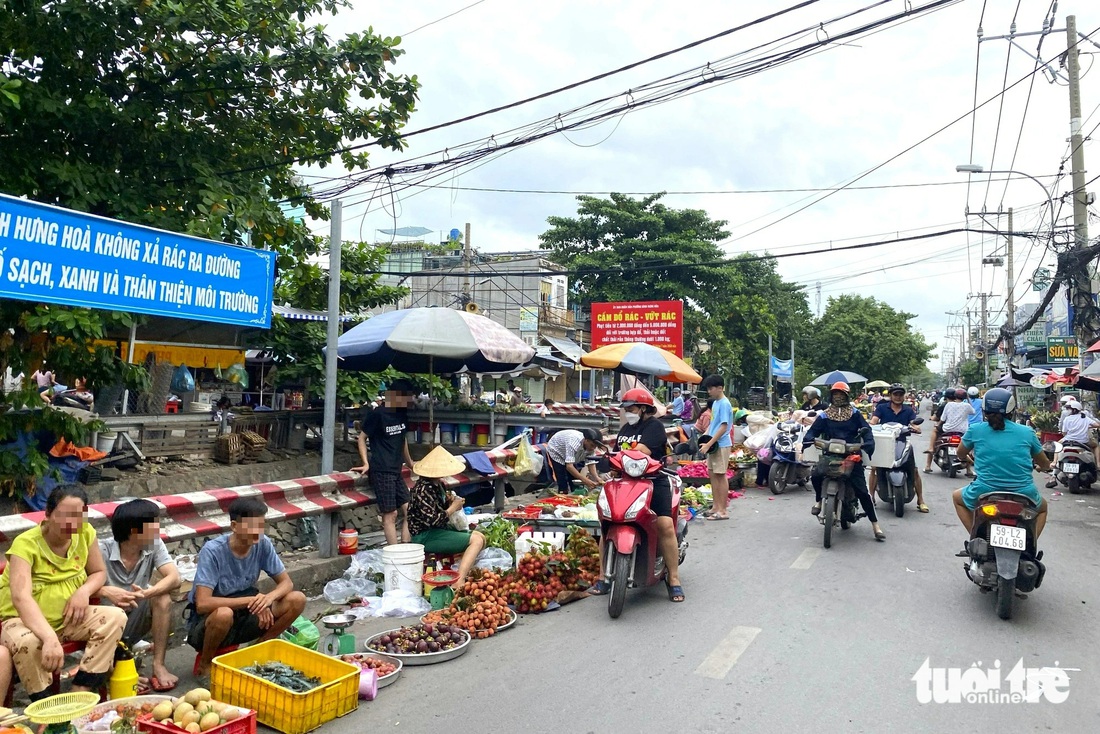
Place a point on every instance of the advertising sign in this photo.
(54, 255)
(528, 319)
(659, 323)
(1062, 350)
(782, 368)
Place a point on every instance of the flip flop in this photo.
(716, 517)
(708, 514)
(599, 588)
(162, 687)
(927, 471)
(675, 593)
(880, 536)
(922, 508)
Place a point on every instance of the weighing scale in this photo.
(58, 712)
(337, 641)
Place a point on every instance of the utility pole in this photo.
(985, 333)
(1010, 296)
(819, 299)
(1080, 196)
(335, 240)
(466, 267)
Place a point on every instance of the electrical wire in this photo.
(440, 20)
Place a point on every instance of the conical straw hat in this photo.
(437, 464)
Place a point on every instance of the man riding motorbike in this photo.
(896, 411)
(1004, 454)
(811, 398)
(644, 432)
(954, 418)
(841, 421)
(1076, 428)
(972, 397)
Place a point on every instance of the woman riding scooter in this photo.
(841, 421)
(644, 432)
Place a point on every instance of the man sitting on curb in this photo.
(226, 608)
(131, 557)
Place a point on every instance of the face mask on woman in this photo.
(631, 418)
(840, 399)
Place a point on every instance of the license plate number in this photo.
(951, 451)
(1004, 536)
(1072, 468)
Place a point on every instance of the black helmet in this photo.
(896, 387)
(999, 400)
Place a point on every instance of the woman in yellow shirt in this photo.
(45, 591)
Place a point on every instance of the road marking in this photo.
(806, 559)
(724, 656)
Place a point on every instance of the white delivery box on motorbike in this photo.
(885, 435)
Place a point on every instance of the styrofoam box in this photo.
(883, 458)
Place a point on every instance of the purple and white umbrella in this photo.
(437, 340)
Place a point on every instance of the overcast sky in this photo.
(814, 123)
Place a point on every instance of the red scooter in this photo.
(631, 551)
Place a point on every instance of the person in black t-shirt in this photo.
(385, 429)
(644, 432)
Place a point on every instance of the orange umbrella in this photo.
(641, 359)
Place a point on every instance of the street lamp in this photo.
(975, 168)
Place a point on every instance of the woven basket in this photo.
(228, 449)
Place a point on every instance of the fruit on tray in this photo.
(367, 662)
(195, 712)
(419, 639)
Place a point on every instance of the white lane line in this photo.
(806, 559)
(724, 656)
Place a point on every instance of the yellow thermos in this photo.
(124, 679)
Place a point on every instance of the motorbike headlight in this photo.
(837, 448)
(636, 507)
(603, 505)
(635, 467)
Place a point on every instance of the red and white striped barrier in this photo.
(197, 514)
(591, 410)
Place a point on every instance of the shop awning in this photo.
(302, 314)
(555, 360)
(566, 347)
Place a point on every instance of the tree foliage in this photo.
(631, 249)
(183, 116)
(867, 336)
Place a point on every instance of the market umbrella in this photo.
(641, 359)
(877, 383)
(1093, 370)
(1009, 381)
(839, 376)
(432, 340)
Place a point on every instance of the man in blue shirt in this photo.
(972, 396)
(1004, 454)
(896, 411)
(226, 607)
(677, 405)
(718, 445)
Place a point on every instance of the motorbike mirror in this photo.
(683, 448)
(775, 413)
(812, 414)
(603, 465)
(918, 421)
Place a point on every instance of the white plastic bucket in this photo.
(105, 441)
(403, 567)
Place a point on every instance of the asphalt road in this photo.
(778, 634)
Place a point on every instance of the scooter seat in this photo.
(1023, 499)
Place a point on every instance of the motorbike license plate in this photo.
(952, 451)
(1071, 468)
(1004, 536)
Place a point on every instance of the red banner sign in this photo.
(659, 323)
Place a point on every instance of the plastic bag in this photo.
(402, 603)
(338, 591)
(525, 459)
(182, 380)
(761, 439)
(302, 633)
(187, 567)
(492, 559)
(237, 374)
(460, 520)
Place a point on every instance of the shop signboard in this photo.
(528, 319)
(1062, 350)
(659, 323)
(53, 255)
(1036, 336)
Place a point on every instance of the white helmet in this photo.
(972, 391)
(1065, 399)
(812, 391)
(1073, 404)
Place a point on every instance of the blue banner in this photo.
(54, 255)
(783, 368)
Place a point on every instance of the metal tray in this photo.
(384, 680)
(420, 658)
(504, 626)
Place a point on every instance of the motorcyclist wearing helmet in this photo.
(1005, 454)
(644, 432)
(896, 411)
(841, 421)
(811, 398)
(973, 397)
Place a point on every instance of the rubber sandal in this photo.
(599, 588)
(708, 514)
(714, 518)
(927, 471)
(880, 536)
(161, 687)
(673, 592)
(815, 510)
(922, 508)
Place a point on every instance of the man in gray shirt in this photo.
(132, 555)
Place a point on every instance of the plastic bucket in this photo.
(105, 441)
(481, 434)
(464, 433)
(500, 433)
(447, 433)
(403, 567)
(438, 580)
(425, 433)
